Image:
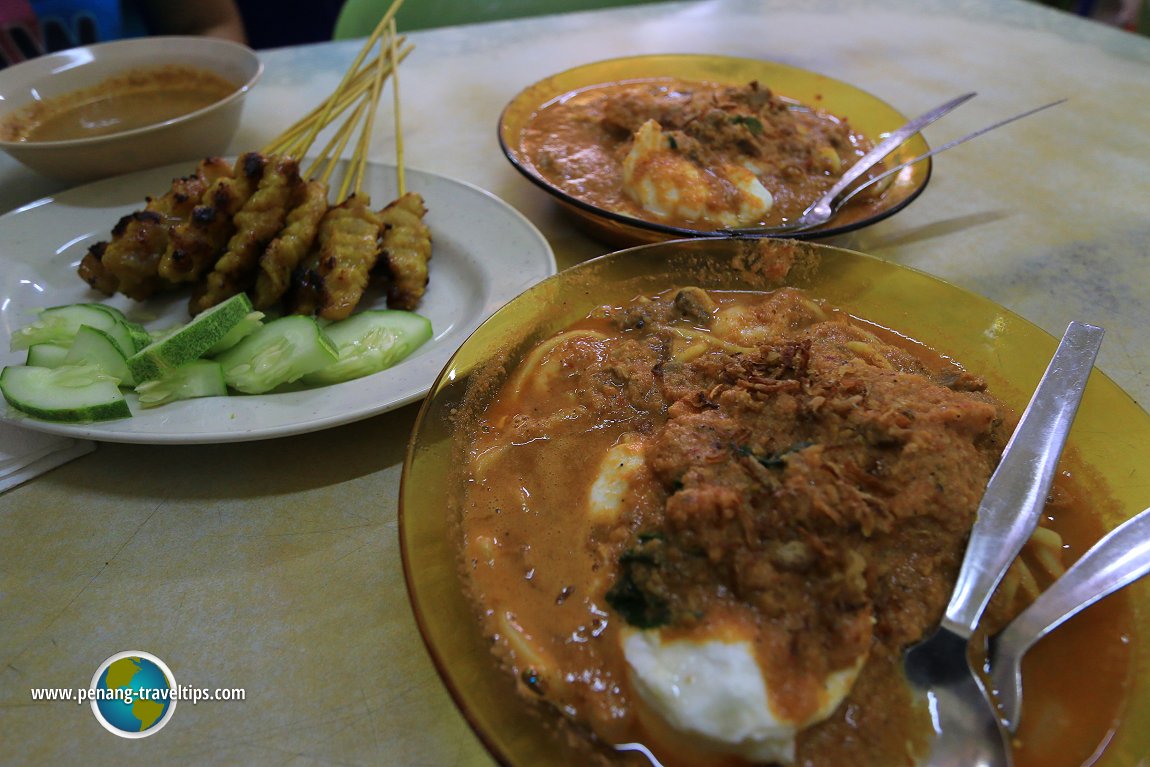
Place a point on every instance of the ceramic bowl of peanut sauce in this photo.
(112, 108)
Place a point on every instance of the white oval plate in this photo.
(484, 253)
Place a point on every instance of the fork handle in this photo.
(1016, 493)
(1117, 560)
(940, 149)
(885, 147)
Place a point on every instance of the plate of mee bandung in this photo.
(697, 497)
(651, 148)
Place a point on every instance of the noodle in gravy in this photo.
(711, 521)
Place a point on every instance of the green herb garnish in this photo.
(753, 124)
(630, 597)
(774, 460)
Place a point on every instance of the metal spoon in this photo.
(1117, 560)
(967, 730)
(822, 209)
(825, 208)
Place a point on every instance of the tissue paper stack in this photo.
(25, 454)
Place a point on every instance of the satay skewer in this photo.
(352, 71)
(300, 136)
(359, 161)
(327, 161)
(399, 175)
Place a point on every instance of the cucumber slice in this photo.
(369, 342)
(96, 347)
(46, 355)
(242, 330)
(200, 378)
(138, 333)
(58, 325)
(118, 314)
(68, 394)
(280, 352)
(140, 336)
(190, 341)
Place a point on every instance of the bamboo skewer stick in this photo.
(360, 160)
(328, 159)
(383, 24)
(400, 180)
(300, 135)
(354, 104)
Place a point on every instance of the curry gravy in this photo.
(538, 568)
(132, 100)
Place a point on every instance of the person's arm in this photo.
(213, 18)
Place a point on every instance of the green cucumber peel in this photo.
(189, 342)
(242, 330)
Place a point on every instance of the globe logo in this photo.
(133, 694)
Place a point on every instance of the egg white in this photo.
(714, 690)
(669, 185)
(621, 471)
(707, 685)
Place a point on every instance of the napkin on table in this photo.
(25, 454)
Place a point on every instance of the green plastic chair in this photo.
(359, 17)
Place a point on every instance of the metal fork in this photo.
(1121, 557)
(823, 209)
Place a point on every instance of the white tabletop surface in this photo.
(274, 566)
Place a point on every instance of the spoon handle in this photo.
(939, 150)
(1118, 559)
(824, 205)
(1017, 490)
(821, 211)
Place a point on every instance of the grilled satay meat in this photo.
(130, 261)
(406, 251)
(288, 250)
(305, 294)
(349, 246)
(260, 228)
(93, 271)
(197, 241)
(133, 254)
(256, 224)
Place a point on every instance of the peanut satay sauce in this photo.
(121, 103)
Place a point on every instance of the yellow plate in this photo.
(1110, 441)
(866, 114)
